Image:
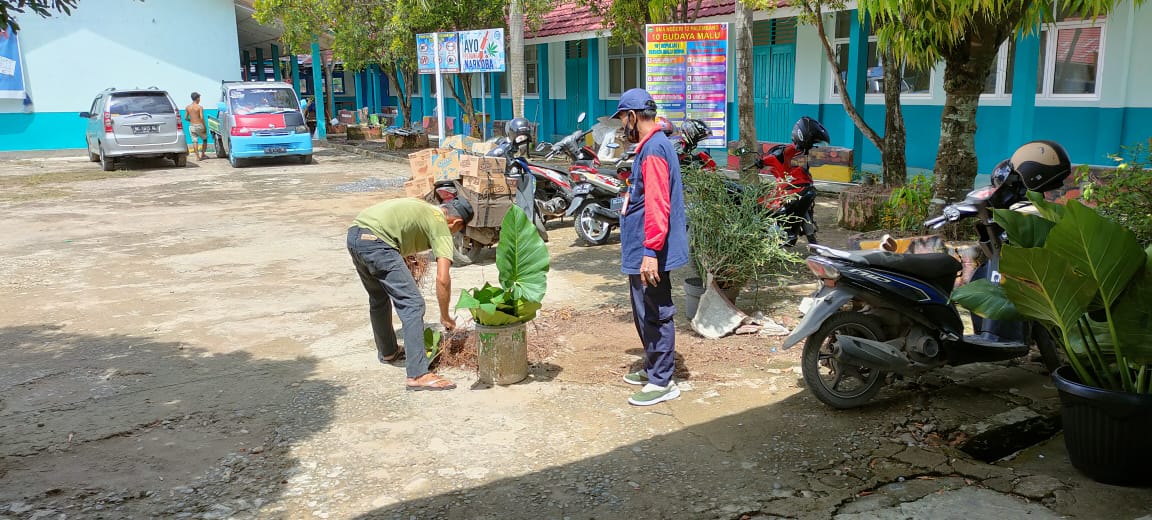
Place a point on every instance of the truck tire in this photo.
(306, 159)
(220, 154)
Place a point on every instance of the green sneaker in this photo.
(652, 394)
(639, 377)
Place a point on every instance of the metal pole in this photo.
(483, 110)
(439, 89)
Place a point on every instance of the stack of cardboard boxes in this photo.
(484, 185)
(431, 166)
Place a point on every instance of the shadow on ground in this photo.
(128, 426)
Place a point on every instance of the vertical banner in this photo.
(687, 74)
(11, 68)
(482, 51)
(448, 53)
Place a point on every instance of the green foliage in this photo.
(1125, 193)
(522, 261)
(42, 8)
(732, 236)
(1085, 277)
(431, 344)
(908, 205)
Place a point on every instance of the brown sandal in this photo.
(437, 383)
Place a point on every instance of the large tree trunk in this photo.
(813, 8)
(330, 99)
(464, 99)
(966, 69)
(516, 57)
(745, 101)
(403, 95)
(895, 163)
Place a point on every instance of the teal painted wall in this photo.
(51, 130)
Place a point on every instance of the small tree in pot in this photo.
(1088, 280)
(502, 312)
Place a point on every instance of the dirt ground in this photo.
(193, 343)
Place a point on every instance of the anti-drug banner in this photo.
(11, 69)
(482, 51)
(449, 53)
(687, 74)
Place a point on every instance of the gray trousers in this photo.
(389, 283)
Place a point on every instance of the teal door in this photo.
(576, 83)
(774, 68)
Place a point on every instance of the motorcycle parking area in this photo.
(193, 343)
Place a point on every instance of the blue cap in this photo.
(634, 99)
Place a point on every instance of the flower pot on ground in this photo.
(1088, 281)
(1105, 431)
(693, 290)
(501, 312)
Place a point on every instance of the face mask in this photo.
(632, 134)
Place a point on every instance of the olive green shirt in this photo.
(410, 225)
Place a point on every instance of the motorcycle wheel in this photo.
(590, 230)
(827, 378)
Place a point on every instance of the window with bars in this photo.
(625, 68)
(915, 80)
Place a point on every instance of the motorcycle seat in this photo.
(930, 266)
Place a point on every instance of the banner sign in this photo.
(11, 69)
(482, 51)
(448, 53)
(687, 74)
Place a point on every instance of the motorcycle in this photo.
(555, 187)
(879, 313)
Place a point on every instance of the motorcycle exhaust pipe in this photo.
(855, 351)
(604, 215)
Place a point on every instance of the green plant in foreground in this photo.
(522, 261)
(1086, 278)
(1124, 194)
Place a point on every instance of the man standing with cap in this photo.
(653, 241)
(379, 239)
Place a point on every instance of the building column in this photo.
(276, 63)
(318, 92)
(373, 86)
(294, 71)
(358, 81)
(494, 96)
(1023, 112)
(546, 104)
(427, 101)
(247, 64)
(260, 64)
(593, 81)
(856, 83)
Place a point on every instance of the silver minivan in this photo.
(134, 123)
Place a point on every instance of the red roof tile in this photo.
(571, 17)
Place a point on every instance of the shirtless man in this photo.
(194, 114)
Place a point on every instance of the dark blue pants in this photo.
(389, 282)
(653, 310)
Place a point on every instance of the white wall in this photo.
(1137, 65)
(176, 45)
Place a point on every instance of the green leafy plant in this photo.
(431, 344)
(522, 261)
(1087, 279)
(732, 235)
(907, 207)
(1124, 194)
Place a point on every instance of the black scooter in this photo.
(878, 312)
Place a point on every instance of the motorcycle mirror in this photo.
(580, 118)
(540, 147)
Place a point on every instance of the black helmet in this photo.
(519, 130)
(1042, 165)
(694, 131)
(807, 132)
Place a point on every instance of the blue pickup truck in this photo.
(259, 119)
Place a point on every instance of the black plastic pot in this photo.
(1107, 433)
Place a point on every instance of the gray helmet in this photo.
(519, 130)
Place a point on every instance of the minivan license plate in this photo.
(146, 129)
(275, 149)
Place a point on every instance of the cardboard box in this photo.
(445, 165)
(478, 166)
(419, 188)
(421, 162)
(483, 148)
(489, 184)
(459, 142)
(488, 209)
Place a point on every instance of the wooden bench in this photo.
(826, 163)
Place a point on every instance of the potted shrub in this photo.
(501, 313)
(731, 235)
(1088, 281)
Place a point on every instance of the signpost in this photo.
(687, 74)
(464, 52)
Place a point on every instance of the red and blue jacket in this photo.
(653, 222)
